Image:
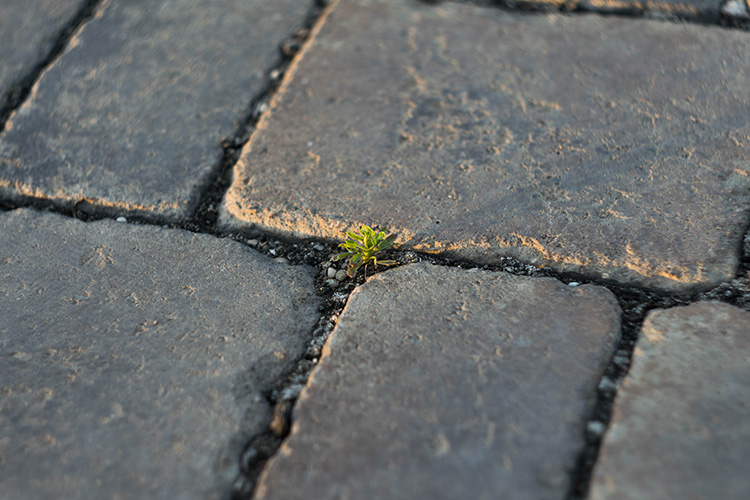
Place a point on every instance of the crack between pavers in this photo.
(20, 90)
(205, 215)
(658, 10)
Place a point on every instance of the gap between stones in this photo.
(635, 302)
(707, 18)
(21, 89)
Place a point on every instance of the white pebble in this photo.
(272, 251)
(252, 243)
(332, 283)
(318, 247)
(340, 275)
(595, 427)
(282, 260)
(331, 272)
(573, 283)
(121, 219)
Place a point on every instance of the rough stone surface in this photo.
(131, 117)
(441, 383)
(609, 146)
(133, 357)
(28, 29)
(681, 423)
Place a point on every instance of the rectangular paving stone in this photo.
(133, 357)
(681, 422)
(28, 31)
(132, 115)
(614, 147)
(441, 383)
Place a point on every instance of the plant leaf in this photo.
(354, 236)
(353, 270)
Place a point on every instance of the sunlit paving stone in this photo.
(442, 383)
(134, 357)
(610, 146)
(681, 424)
(132, 115)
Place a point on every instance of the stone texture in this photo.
(609, 146)
(28, 29)
(441, 383)
(133, 357)
(132, 115)
(681, 423)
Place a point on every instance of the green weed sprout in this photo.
(364, 247)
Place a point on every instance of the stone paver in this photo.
(133, 357)
(131, 117)
(28, 29)
(609, 146)
(681, 423)
(441, 383)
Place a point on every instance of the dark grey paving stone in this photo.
(441, 383)
(609, 146)
(28, 29)
(131, 117)
(681, 422)
(133, 357)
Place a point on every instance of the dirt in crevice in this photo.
(207, 212)
(660, 10)
(21, 89)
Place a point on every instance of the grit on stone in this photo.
(131, 117)
(133, 357)
(441, 383)
(608, 146)
(28, 29)
(681, 422)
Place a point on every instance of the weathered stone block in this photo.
(441, 383)
(133, 357)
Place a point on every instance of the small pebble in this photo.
(573, 283)
(331, 273)
(340, 275)
(121, 219)
(332, 283)
(282, 260)
(318, 247)
(596, 428)
(252, 243)
(272, 251)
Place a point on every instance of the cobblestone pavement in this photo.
(568, 312)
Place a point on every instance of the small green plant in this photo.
(364, 247)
